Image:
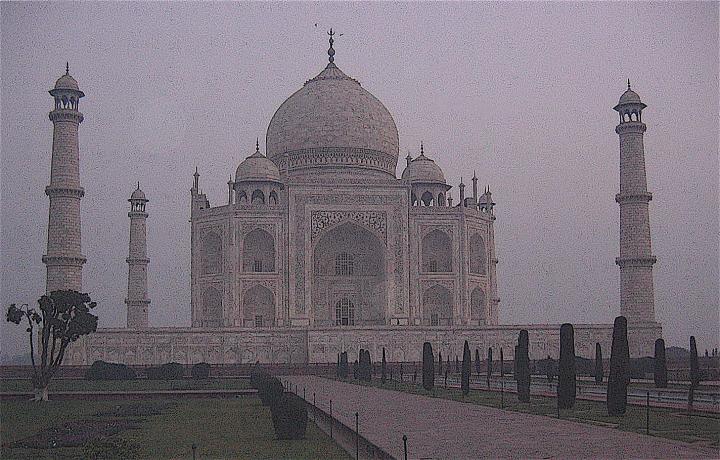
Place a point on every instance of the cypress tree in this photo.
(566, 373)
(660, 374)
(440, 363)
(694, 372)
(619, 369)
(337, 367)
(401, 372)
(502, 364)
(447, 365)
(522, 364)
(599, 371)
(457, 365)
(383, 366)
(489, 366)
(369, 363)
(466, 366)
(343, 366)
(428, 375)
(356, 369)
(477, 362)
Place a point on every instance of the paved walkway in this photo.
(439, 428)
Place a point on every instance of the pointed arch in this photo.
(478, 254)
(437, 306)
(257, 197)
(258, 307)
(437, 252)
(211, 258)
(478, 303)
(212, 308)
(258, 252)
(427, 199)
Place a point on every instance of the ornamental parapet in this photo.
(64, 260)
(638, 197)
(336, 156)
(69, 192)
(66, 115)
(635, 261)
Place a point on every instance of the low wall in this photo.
(321, 345)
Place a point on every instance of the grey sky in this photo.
(522, 93)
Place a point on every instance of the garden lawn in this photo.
(158, 429)
(128, 385)
(674, 424)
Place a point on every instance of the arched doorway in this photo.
(349, 267)
(258, 307)
(437, 306)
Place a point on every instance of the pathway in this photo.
(440, 428)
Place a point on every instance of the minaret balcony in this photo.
(637, 197)
(631, 127)
(635, 261)
(68, 192)
(66, 115)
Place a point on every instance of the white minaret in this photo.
(637, 299)
(64, 259)
(137, 299)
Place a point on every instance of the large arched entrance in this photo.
(349, 277)
(258, 307)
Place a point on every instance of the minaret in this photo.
(64, 259)
(475, 195)
(462, 193)
(637, 300)
(137, 300)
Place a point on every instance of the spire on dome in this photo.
(422, 149)
(628, 83)
(331, 50)
(67, 68)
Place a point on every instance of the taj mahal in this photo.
(322, 248)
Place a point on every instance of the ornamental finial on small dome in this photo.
(628, 83)
(422, 149)
(67, 68)
(257, 144)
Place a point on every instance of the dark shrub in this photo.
(640, 368)
(270, 390)
(599, 371)
(168, 371)
(489, 366)
(356, 370)
(457, 365)
(383, 367)
(100, 370)
(619, 377)
(440, 363)
(343, 371)
(428, 375)
(660, 365)
(289, 416)
(694, 372)
(200, 371)
(522, 367)
(466, 366)
(477, 362)
(502, 364)
(566, 371)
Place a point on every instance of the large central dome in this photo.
(332, 124)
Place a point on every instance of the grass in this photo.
(227, 428)
(674, 424)
(128, 385)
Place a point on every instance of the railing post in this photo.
(314, 408)
(331, 421)
(194, 447)
(405, 445)
(357, 436)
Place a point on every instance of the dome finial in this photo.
(67, 68)
(331, 50)
(628, 83)
(257, 144)
(138, 185)
(422, 149)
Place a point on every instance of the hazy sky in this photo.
(521, 92)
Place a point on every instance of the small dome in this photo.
(630, 97)
(257, 167)
(423, 169)
(138, 194)
(67, 82)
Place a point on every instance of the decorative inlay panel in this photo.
(375, 221)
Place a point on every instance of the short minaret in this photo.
(137, 299)
(637, 300)
(462, 192)
(64, 259)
